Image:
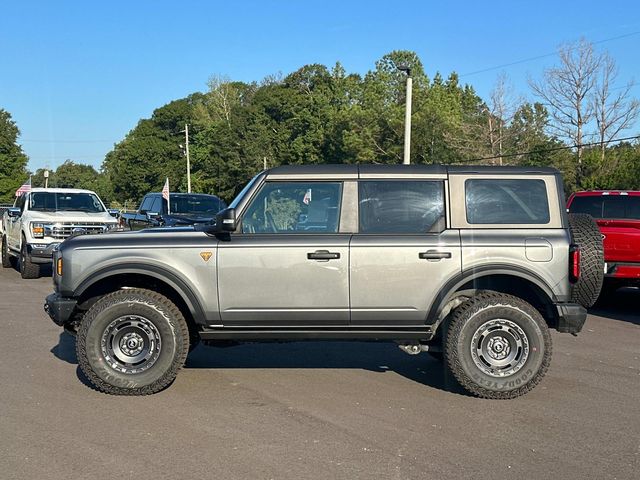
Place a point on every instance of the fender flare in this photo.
(447, 292)
(179, 285)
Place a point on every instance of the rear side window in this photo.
(401, 206)
(506, 201)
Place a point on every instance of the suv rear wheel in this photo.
(132, 342)
(497, 346)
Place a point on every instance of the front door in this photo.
(403, 252)
(288, 265)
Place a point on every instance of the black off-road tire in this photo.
(102, 367)
(28, 269)
(6, 258)
(587, 236)
(494, 313)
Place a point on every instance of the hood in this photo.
(75, 217)
(152, 237)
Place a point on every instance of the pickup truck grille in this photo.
(60, 231)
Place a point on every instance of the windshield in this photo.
(65, 202)
(240, 196)
(204, 205)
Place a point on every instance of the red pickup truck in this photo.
(618, 216)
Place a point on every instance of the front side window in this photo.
(507, 201)
(294, 207)
(397, 207)
(65, 202)
(147, 203)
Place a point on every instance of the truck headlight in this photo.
(37, 230)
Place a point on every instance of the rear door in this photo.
(403, 251)
(289, 265)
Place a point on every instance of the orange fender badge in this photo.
(206, 256)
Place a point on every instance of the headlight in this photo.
(37, 230)
(110, 226)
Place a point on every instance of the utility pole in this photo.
(407, 115)
(46, 179)
(186, 149)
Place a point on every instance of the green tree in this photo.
(13, 161)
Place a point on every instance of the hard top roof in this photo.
(357, 170)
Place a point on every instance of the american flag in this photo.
(307, 197)
(25, 188)
(165, 194)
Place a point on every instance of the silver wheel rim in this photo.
(499, 348)
(131, 344)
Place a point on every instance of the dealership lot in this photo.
(315, 410)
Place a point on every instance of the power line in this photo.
(538, 57)
(549, 150)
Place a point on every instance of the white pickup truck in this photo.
(42, 218)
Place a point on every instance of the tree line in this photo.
(319, 114)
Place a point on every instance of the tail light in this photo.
(574, 263)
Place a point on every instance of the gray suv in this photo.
(471, 264)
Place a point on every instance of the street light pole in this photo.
(186, 147)
(407, 115)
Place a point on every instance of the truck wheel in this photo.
(587, 236)
(6, 258)
(132, 342)
(497, 346)
(28, 269)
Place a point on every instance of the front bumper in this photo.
(59, 308)
(41, 252)
(571, 317)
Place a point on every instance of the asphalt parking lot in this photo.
(315, 410)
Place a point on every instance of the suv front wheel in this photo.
(497, 346)
(132, 342)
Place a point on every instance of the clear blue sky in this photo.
(77, 76)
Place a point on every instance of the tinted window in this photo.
(614, 206)
(590, 205)
(196, 205)
(506, 201)
(61, 202)
(633, 208)
(294, 207)
(401, 206)
(607, 206)
(156, 207)
(147, 202)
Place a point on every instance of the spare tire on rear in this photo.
(587, 236)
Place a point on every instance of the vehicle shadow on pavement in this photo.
(371, 356)
(66, 348)
(622, 305)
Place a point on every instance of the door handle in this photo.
(434, 255)
(323, 255)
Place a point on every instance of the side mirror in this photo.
(114, 212)
(153, 216)
(226, 220)
(13, 212)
